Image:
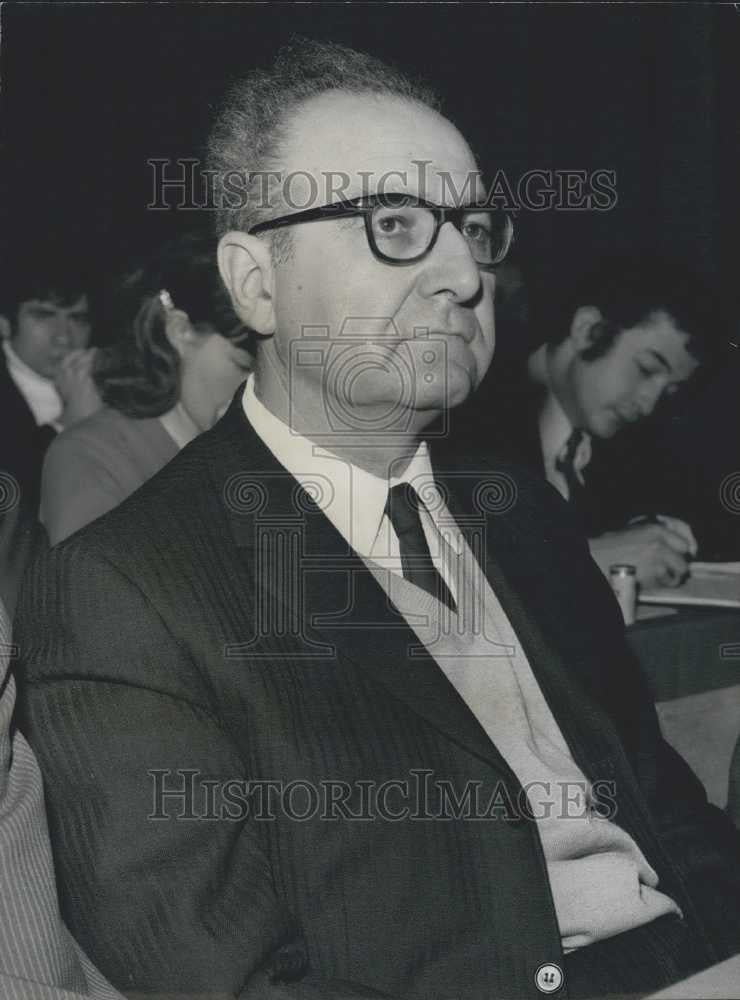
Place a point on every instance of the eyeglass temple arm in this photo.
(340, 208)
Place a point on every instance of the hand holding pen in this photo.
(659, 547)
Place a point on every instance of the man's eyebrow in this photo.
(663, 361)
(40, 308)
(43, 308)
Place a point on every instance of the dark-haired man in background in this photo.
(630, 335)
(45, 386)
(389, 683)
(45, 363)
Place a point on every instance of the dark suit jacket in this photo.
(23, 445)
(503, 418)
(215, 627)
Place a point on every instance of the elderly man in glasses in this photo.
(327, 712)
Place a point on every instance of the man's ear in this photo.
(5, 328)
(585, 327)
(247, 271)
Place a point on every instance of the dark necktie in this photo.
(565, 465)
(402, 508)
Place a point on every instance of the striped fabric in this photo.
(39, 959)
(202, 627)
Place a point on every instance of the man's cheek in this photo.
(366, 300)
(484, 352)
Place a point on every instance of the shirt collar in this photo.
(353, 499)
(39, 392)
(556, 426)
(19, 365)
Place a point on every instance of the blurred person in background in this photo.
(46, 385)
(629, 336)
(177, 360)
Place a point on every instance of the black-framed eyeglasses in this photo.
(401, 229)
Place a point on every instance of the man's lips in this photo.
(626, 418)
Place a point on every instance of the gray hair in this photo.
(252, 126)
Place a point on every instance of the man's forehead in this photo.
(354, 144)
(659, 327)
(51, 303)
(660, 336)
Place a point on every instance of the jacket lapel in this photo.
(311, 580)
(490, 506)
(327, 594)
(312, 586)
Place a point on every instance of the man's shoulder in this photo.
(23, 442)
(502, 415)
(481, 463)
(508, 492)
(12, 400)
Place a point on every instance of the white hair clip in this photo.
(166, 299)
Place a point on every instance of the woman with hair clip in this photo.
(174, 366)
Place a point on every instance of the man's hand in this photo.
(660, 551)
(75, 385)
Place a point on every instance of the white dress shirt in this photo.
(601, 883)
(40, 393)
(354, 500)
(555, 428)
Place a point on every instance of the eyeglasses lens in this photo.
(406, 232)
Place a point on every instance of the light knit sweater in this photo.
(601, 882)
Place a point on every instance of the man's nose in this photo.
(450, 267)
(63, 331)
(648, 397)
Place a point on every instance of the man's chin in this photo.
(461, 384)
(437, 403)
(607, 426)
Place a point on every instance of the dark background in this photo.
(91, 92)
